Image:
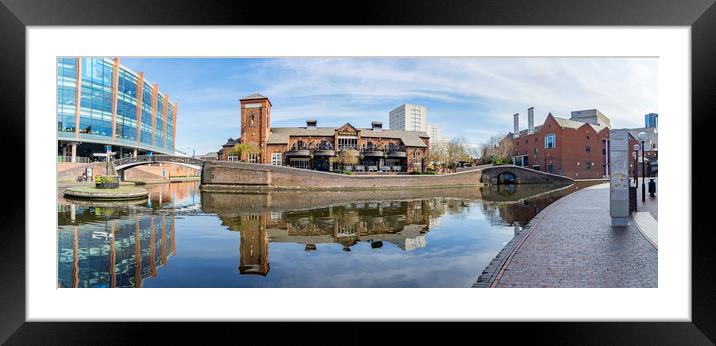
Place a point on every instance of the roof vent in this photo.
(377, 126)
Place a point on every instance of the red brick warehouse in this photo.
(575, 147)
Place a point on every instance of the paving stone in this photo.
(572, 244)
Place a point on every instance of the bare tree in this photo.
(496, 149)
(457, 151)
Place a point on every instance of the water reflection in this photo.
(419, 238)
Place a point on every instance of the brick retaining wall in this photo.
(224, 176)
(240, 177)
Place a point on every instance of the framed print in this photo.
(455, 162)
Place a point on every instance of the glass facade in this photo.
(127, 106)
(118, 253)
(171, 113)
(159, 131)
(147, 115)
(98, 91)
(66, 94)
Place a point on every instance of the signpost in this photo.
(619, 177)
(108, 153)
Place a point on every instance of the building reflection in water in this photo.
(119, 252)
(123, 246)
(403, 223)
(511, 206)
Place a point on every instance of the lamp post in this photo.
(642, 136)
(636, 164)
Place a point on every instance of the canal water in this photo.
(181, 237)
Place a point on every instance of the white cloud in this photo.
(471, 97)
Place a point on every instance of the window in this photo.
(276, 159)
(298, 163)
(550, 168)
(233, 157)
(588, 149)
(588, 165)
(549, 141)
(253, 158)
(347, 143)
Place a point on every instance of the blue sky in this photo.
(470, 97)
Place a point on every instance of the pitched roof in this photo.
(231, 142)
(280, 135)
(254, 96)
(409, 138)
(564, 123)
(573, 124)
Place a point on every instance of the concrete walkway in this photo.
(571, 244)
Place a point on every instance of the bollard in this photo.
(632, 198)
(652, 187)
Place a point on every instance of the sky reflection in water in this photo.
(419, 238)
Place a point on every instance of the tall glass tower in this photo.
(651, 120)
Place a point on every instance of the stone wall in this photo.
(242, 177)
(522, 175)
(157, 172)
(69, 171)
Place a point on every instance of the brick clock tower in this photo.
(256, 124)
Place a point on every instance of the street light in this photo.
(642, 136)
(636, 157)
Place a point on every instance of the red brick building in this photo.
(318, 148)
(568, 147)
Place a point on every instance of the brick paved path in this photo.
(652, 203)
(573, 245)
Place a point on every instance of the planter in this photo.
(107, 182)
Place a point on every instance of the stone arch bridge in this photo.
(511, 174)
(122, 164)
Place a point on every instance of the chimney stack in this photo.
(530, 120)
(311, 124)
(377, 126)
(517, 124)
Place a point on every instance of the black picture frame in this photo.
(16, 15)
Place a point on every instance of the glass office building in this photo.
(651, 120)
(100, 102)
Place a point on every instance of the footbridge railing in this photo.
(127, 162)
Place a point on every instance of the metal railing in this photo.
(158, 158)
(78, 159)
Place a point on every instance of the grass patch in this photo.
(120, 189)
